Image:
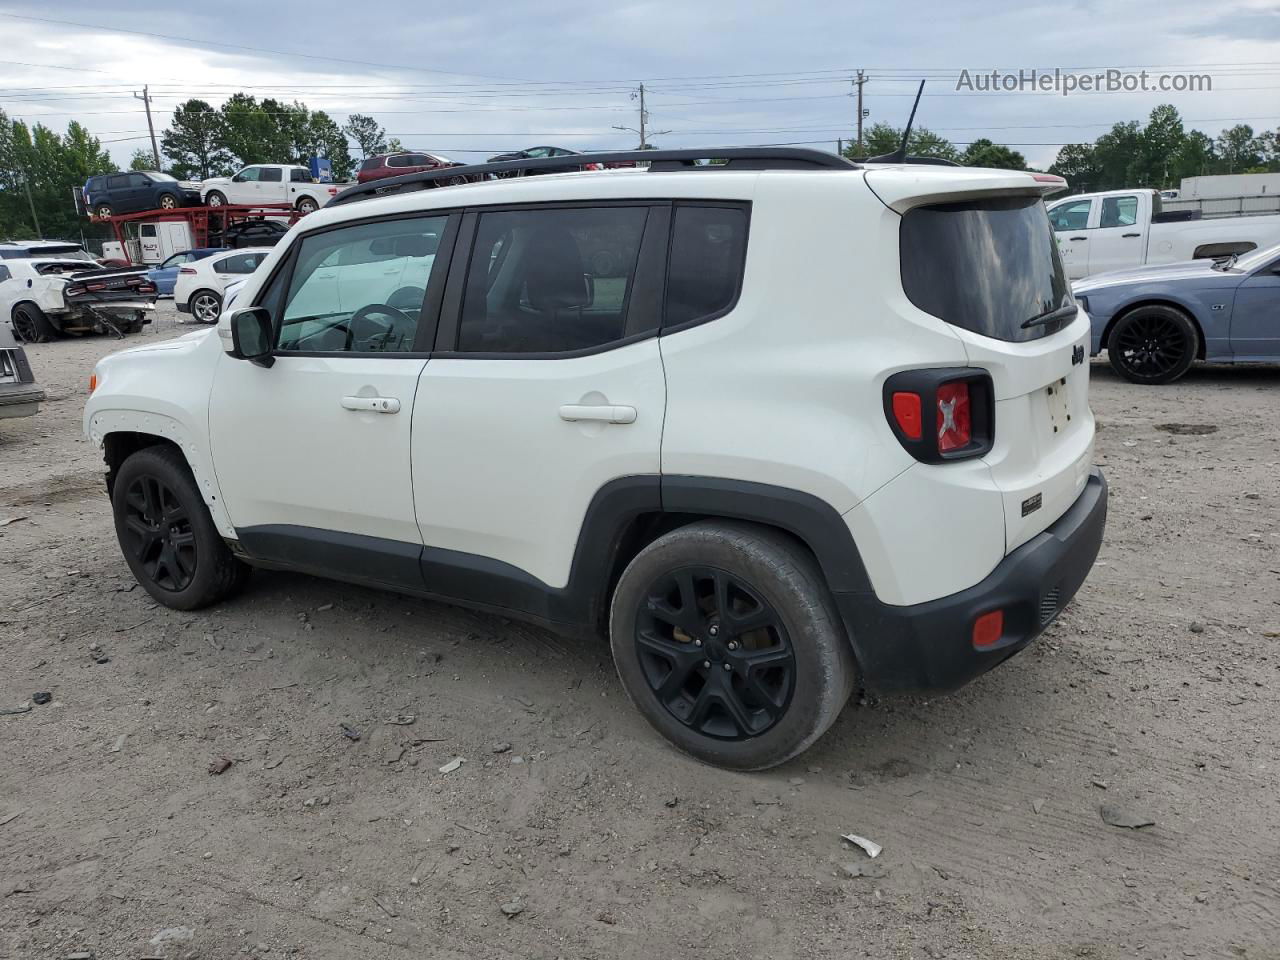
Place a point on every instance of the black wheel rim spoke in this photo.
(715, 653)
(157, 531)
(1151, 346)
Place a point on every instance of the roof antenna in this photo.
(900, 155)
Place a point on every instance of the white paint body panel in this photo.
(288, 452)
(499, 473)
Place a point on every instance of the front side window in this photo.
(361, 289)
(271, 174)
(708, 253)
(248, 175)
(988, 266)
(139, 180)
(1070, 216)
(1119, 212)
(550, 281)
(178, 259)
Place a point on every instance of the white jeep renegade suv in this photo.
(780, 426)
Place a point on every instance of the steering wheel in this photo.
(375, 328)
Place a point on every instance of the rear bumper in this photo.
(19, 399)
(927, 647)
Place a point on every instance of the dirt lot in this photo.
(1156, 692)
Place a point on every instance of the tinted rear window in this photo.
(984, 265)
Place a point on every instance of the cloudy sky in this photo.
(486, 77)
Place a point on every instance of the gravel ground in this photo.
(571, 830)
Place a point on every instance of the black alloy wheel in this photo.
(715, 653)
(1152, 345)
(158, 533)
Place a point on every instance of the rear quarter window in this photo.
(708, 252)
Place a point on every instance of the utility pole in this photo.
(145, 97)
(26, 182)
(644, 121)
(862, 78)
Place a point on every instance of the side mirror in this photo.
(252, 335)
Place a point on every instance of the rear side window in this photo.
(298, 175)
(118, 183)
(1119, 212)
(373, 163)
(240, 263)
(4, 274)
(550, 281)
(987, 266)
(708, 252)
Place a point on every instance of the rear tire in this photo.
(728, 641)
(1154, 344)
(103, 210)
(307, 205)
(206, 306)
(168, 201)
(30, 325)
(166, 534)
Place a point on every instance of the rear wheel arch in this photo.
(1156, 302)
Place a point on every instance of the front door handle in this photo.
(606, 412)
(1079, 238)
(1127, 235)
(371, 404)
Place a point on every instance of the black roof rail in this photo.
(927, 161)
(735, 158)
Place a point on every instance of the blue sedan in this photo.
(1155, 322)
(166, 275)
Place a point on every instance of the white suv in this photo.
(780, 426)
(202, 284)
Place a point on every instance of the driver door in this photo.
(244, 186)
(312, 453)
(1070, 221)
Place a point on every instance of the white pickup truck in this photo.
(270, 183)
(1120, 229)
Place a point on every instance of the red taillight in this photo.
(988, 629)
(906, 410)
(955, 426)
(190, 270)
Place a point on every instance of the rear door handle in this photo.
(371, 404)
(606, 412)
(1127, 235)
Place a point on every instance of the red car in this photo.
(395, 164)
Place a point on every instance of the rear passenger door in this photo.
(545, 385)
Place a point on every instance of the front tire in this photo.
(206, 306)
(215, 199)
(1153, 345)
(30, 325)
(728, 641)
(166, 534)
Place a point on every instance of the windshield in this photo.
(162, 177)
(988, 266)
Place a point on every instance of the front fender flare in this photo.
(103, 423)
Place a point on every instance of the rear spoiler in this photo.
(902, 187)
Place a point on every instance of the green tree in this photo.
(1239, 150)
(1077, 165)
(195, 142)
(1117, 154)
(984, 153)
(1196, 157)
(881, 138)
(1158, 148)
(40, 169)
(369, 135)
(324, 138)
(142, 159)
